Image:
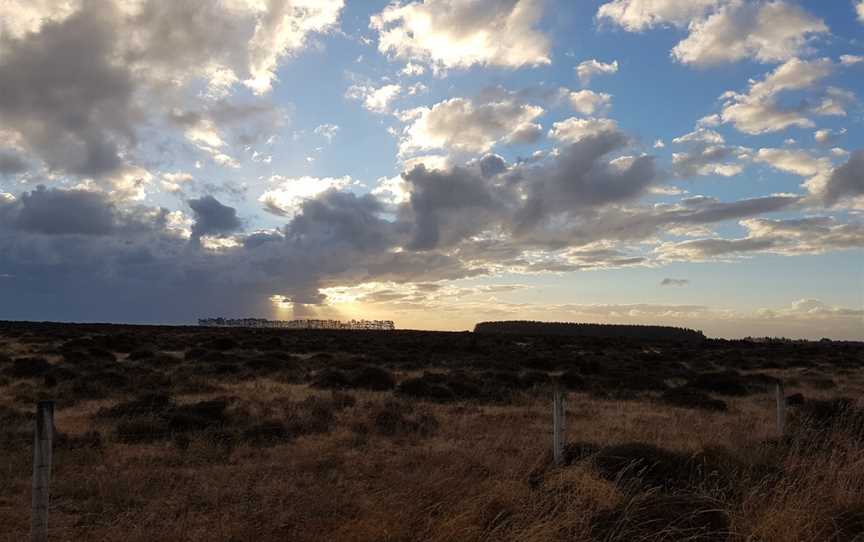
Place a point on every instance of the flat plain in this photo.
(200, 434)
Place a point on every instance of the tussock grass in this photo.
(262, 456)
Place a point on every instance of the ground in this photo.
(183, 433)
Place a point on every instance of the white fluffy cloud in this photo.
(766, 32)
(588, 69)
(859, 8)
(797, 162)
(639, 15)
(575, 129)
(723, 31)
(463, 33)
(473, 126)
(588, 102)
(827, 136)
(375, 99)
(758, 111)
(707, 154)
(127, 69)
(289, 194)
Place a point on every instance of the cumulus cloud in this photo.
(766, 32)
(707, 154)
(575, 129)
(116, 64)
(463, 33)
(723, 31)
(639, 15)
(474, 126)
(213, 218)
(55, 212)
(375, 99)
(448, 206)
(846, 181)
(583, 176)
(859, 8)
(795, 161)
(758, 111)
(827, 136)
(289, 193)
(588, 102)
(588, 69)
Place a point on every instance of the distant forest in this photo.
(525, 327)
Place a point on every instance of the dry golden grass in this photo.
(468, 482)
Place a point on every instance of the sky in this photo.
(435, 162)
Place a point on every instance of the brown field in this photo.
(210, 435)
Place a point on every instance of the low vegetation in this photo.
(240, 434)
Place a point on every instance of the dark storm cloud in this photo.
(449, 205)
(338, 219)
(63, 92)
(213, 218)
(491, 165)
(54, 211)
(847, 180)
(12, 163)
(580, 178)
(65, 212)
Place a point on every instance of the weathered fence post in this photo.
(558, 426)
(781, 409)
(43, 440)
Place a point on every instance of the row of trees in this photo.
(526, 327)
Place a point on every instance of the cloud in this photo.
(722, 31)
(82, 133)
(575, 129)
(588, 102)
(462, 33)
(674, 282)
(859, 8)
(809, 309)
(374, 99)
(640, 15)
(846, 181)
(290, 193)
(765, 31)
(582, 177)
(707, 154)
(11, 163)
(473, 126)
(448, 206)
(588, 69)
(327, 131)
(813, 235)
(213, 218)
(827, 136)
(59, 212)
(797, 162)
(283, 29)
(758, 110)
(80, 81)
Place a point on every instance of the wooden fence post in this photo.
(558, 426)
(781, 409)
(43, 440)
